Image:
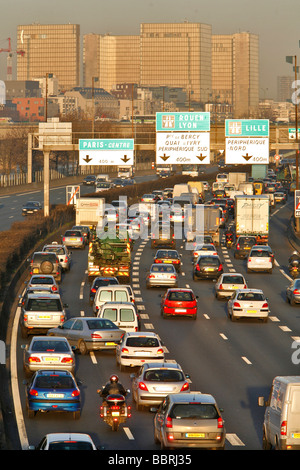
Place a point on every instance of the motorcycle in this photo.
(294, 268)
(229, 241)
(115, 411)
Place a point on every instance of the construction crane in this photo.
(9, 59)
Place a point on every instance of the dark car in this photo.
(31, 207)
(162, 235)
(85, 230)
(168, 257)
(243, 246)
(43, 262)
(99, 282)
(89, 180)
(207, 267)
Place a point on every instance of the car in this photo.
(43, 281)
(228, 283)
(65, 441)
(41, 312)
(89, 180)
(168, 257)
(137, 348)
(280, 197)
(112, 293)
(74, 239)
(43, 262)
(89, 333)
(149, 198)
(293, 292)
(62, 253)
(123, 314)
(162, 234)
(189, 420)
(243, 246)
(85, 230)
(103, 186)
(155, 380)
(204, 249)
(36, 289)
(179, 302)
(162, 275)
(250, 303)
(207, 267)
(53, 390)
(46, 353)
(31, 207)
(268, 249)
(259, 259)
(100, 281)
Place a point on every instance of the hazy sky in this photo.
(275, 21)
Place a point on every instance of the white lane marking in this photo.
(246, 360)
(223, 336)
(206, 316)
(284, 328)
(14, 383)
(234, 440)
(149, 326)
(274, 318)
(93, 357)
(128, 433)
(82, 313)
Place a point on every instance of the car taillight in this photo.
(34, 359)
(64, 239)
(160, 351)
(33, 392)
(238, 246)
(221, 286)
(152, 276)
(172, 277)
(169, 423)
(220, 422)
(75, 393)
(62, 318)
(143, 386)
(93, 290)
(185, 387)
(283, 428)
(220, 267)
(249, 259)
(236, 304)
(197, 267)
(67, 360)
(96, 336)
(54, 288)
(295, 291)
(125, 351)
(265, 305)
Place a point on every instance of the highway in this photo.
(235, 362)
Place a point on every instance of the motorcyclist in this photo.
(112, 387)
(294, 257)
(229, 235)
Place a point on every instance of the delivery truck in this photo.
(203, 219)
(90, 211)
(252, 217)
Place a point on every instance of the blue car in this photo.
(52, 390)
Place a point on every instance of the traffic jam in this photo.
(194, 229)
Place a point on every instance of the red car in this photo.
(178, 301)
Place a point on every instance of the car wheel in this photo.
(292, 301)
(82, 348)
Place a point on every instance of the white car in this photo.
(204, 249)
(250, 303)
(137, 348)
(65, 441)
(229, 283)
(259, 259)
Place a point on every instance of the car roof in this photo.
(258, 291)
(43, 296)
(49, 338)
(180, 289)
(161, 365)
(141, 333)
(190, 397)
(68, 436)
(111, 304)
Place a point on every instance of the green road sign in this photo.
(247, 128)
(179, 122)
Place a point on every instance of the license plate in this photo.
(73, 239)
(195, 434)
(35, 270)
(110, 343)
(180, 310)
(209, 269)
(55, 395)
(45, 317)
(296, 435)
(51, 359)
(163, 389)
(142, 353)
(167, 261)
(251, 311)
(115, 413)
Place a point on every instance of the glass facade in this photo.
(51, 49)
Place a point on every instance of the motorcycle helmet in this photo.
(114, 379)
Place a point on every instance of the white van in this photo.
(281, 427)
(122, 314)
(112, 293)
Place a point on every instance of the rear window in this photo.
(250, 296)
(50, 346)
(121, 296)
(127, 314)
(166, 375)
(53, 249)
(110, 314)
(233, 280)
(260, 253)
(41, 280)
(100, 324)
(246, 241)
(73, 233)
(163, 269)
(105, 282)
(181, 296)
(43, 305)
(142, 342)
(208, 261)
(194, 411)
(105, 295)
(40, 257)
(54, 382)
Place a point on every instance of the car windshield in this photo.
(250, 296)
(181, 296)
(43, 305)
(194, 411)
(54, 381)
(233, 280)
(142, 342)
(100, 324)
(50, 346)
(163, 375)
(70, 445)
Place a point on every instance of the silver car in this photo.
(45, 353)
(155, 380)
(62, 253)
(74, 239)
(89, 333)
(293, 292)
(248, 303)
(189, 420)
(229, 283)
(162, 275)
(44, 280)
